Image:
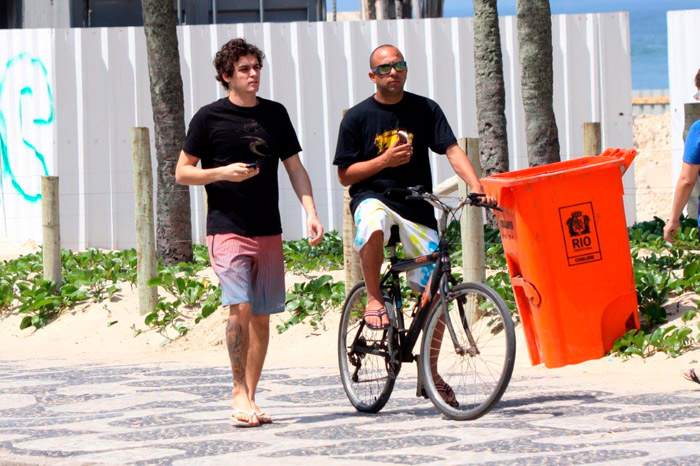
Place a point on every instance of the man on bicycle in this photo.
(383, 143)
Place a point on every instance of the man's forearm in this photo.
(463, 167)
(189, 175)
(302, 188)
(680, 198)
(360, 171)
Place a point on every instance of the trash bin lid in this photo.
(611, 157)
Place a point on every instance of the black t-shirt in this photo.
(222, 133)
(371, 127)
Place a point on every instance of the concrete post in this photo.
(145, 232)
(51, 226)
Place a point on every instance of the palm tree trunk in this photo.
(173, 224)
(431, 8)
(388, 11)
(490, 89)
(370, 9)
(536, 79)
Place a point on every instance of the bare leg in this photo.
(237, 341)
(435, 345)
(371, 257)
(259, 328)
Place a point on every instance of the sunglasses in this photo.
(386, 68)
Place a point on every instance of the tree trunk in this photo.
(490, 89)
(398, 9)
(370, 7)
(388, 11)
(173, 225)
(431, 8)
(536, 79)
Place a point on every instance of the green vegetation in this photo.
(311, 299)
(300, 256)
(186, 297)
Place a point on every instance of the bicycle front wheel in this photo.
(468, 351)
(367, 369)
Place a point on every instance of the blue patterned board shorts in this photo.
(250, 270)
(373, 215)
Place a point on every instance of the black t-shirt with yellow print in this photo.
(371, 127)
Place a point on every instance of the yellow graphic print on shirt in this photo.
(386, 139)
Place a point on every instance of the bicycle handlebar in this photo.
(419, 193)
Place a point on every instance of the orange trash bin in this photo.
(566, 244)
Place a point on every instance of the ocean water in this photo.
(648, 36)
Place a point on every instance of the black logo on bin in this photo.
(580, 234)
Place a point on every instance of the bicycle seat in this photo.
(394, 238)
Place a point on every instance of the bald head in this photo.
(374, 57)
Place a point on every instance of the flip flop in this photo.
(263, 417)
(375, 313)
(691, 375)
(240, 422)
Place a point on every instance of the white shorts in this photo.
(373, 215)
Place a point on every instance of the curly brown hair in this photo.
(697, 80)
(230, 53)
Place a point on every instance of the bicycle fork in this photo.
(460, 349)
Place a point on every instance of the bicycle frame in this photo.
(437, 288)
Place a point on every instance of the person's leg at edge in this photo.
(257, 350)
(237, 342)
(419, 240)
(446, 392)
(371, 257)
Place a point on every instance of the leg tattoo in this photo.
(236, 351)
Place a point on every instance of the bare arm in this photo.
(397, 154)
(684, 187)
(302, 187)
(464, 168)
(188, 173)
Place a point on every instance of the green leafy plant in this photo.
(671, 340)
(39, 301)
(311, 299)
(165, 316)
(300, 256)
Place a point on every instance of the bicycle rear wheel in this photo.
(477, 364)
(367, 369)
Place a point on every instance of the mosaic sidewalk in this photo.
(177, 414)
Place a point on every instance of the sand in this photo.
(114, 332)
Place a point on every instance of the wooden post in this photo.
(351, 259)
(51, 230)
(145, 233)
(592, 144)
(692, 114)
(472, 223)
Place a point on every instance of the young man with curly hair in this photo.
(239, 141)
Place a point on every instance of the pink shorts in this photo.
(250, 270)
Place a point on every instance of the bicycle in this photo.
(473, 359)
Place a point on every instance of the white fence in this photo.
(68, 98)
(683, 64)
